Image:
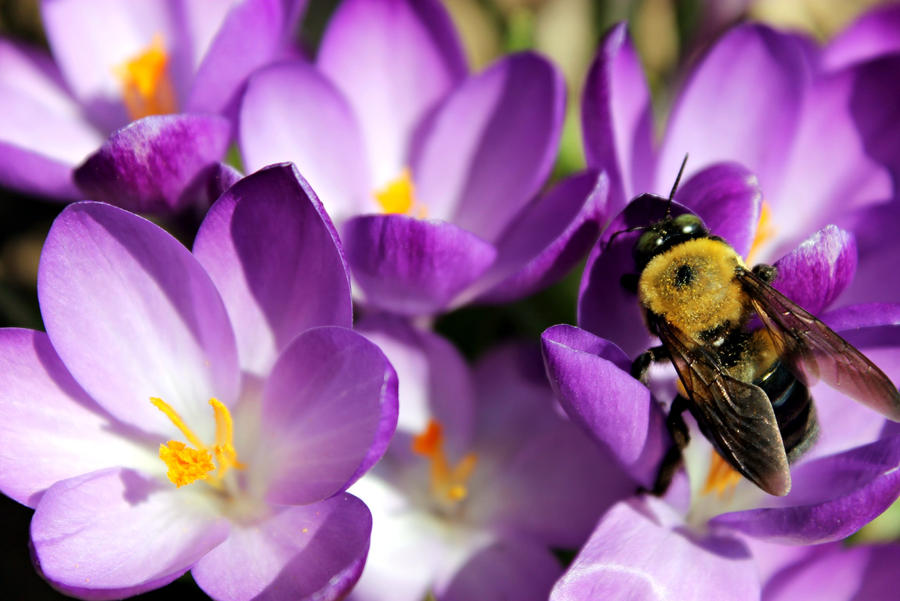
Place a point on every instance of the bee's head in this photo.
(663, 235)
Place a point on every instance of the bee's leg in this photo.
(766, 273)
(641, 365)
(673, 459)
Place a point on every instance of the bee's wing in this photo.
(736, 416)
(814, 351)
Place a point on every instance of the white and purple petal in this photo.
(874, 34)
(617, 118)
(742, 103)
(641, 549)
(273, 254)
(50, 430)
(590, 379)
(488, 148)
(547, 238)
(148, 165)
(815, 273)
(291, 112)
(409, 266)
(115, 532)
(831, 497)
(133, 315)
(314, 552)
(329, 409)
(539, 475)
(393, 60)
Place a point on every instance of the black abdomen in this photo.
(794, 409)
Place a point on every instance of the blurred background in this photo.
(669, 35)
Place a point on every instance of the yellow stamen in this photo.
(448, 483)
(146, 86)
(188, 464)
(722, 478)
(399, 196)
(185, 464)
(765, 231)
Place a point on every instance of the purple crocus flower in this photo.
(483, 477)
(434, 175)
(692, 544)
(130, 111)
(201, 411)
(834, 572)
(810, 123)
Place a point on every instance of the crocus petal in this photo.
(728, 199)
(874, 34)
(876, 120)
(42, 133)
(829, 164)
(311, 552)
(329, 410)
(489, 147)
(548, 238)
(507, 569)
(878, 249)
(250, 36)
(133, 315)
(830, 499)
(836, 572)
(146, 166)
(409, 266)
(742, 104)
(50, 430)
(404, 535)
(272, 252)
(538, 474)
(588, 377)
(641, 550)
(434, 380)
(292, 112)
(115, 530)
(817, 271)
(605, 308)
(617, 118)
(392, 59)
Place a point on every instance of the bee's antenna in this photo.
(675, 186)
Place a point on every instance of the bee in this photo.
(745, 354)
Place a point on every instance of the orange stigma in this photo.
(399, 196)
(765, 231)
(448, 483)
(146, 86)
(722, 478)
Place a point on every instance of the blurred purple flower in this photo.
(141, 336)
(482, 478)
(811, 123)
(132, 109)
(668, 547)
(835, 572)
(434, 175)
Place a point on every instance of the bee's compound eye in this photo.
(689, 225)
(647, 246)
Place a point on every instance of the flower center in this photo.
(722, 478)
(399, 196)
(448, 483)
(765, 231)
(146, 85)
(185, 464)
